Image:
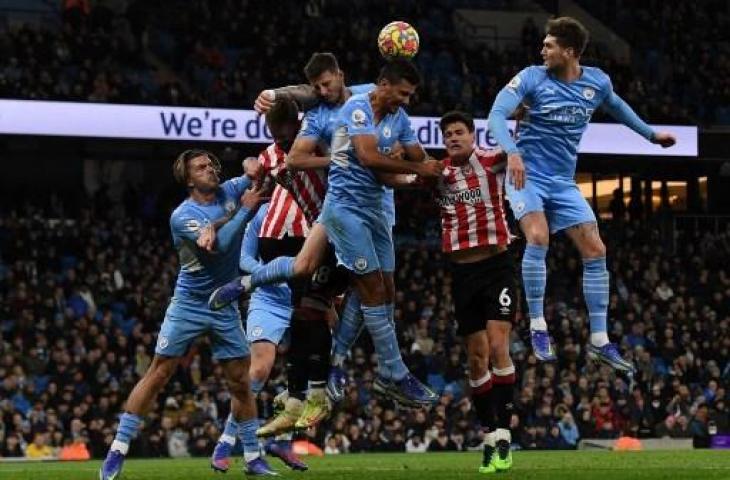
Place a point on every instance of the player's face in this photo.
(554, 56)
(459, 141)
(398, 94)
(203, 174)
(329, 86)
(285, 134)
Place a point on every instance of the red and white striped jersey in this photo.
(306, 187)
(471, 201)
(284, 216)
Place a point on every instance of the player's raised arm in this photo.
(303, 94)
(302, 155)
(507, 101)
(249, 260)
(621, 111)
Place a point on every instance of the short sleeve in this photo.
(357, 116)
(311, 126)
(524, 82)
(187, 223)
(406, 134)
(235, 187)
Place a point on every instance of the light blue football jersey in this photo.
(558, 115)
(349, 181)
(319, 123)
(201, 271)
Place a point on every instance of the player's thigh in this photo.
(382, 235)
(184, 322)
(349, 229)
(529, 198)
(263, 355)
(566, 207)
(228, 337)
(314, 250)
(267, 322)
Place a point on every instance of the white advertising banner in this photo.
(73, 119)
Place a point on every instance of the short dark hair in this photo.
(284, 111)
(180, 167)
(397, 69)
(319, 63)
(569, 32)
(456, 116)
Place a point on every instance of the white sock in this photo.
(599, 339)
(490, 439)
(120, 447)
(502, 434)
(229, 439)
(246, 282)
(538, 323)
(251, 456)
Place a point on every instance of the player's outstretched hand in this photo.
(430, 168)
(255, 196)
(206, 239)
(252, 168)
(264, 101)
(665, 139)
(516, 170)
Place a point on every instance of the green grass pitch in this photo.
(674, 465)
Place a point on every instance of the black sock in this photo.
(503, 387)
(320, 345)
(296, 360)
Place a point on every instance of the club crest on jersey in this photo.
(361, 264)
(192, 225)
(256, 332)
(589, 93)
(386, 132)
(162, 342)
(358, 117)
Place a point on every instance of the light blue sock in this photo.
(278, 270)
(390, 363)
(595, 291)
(348, 329)
(230, 430)
(247, 437)
(126, 431)
(534, 278)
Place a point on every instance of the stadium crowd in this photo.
(83, 291)
(165, 53)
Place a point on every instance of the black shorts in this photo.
(482, 291)
(328, 280)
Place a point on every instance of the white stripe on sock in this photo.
(120, 447)
(481, 381)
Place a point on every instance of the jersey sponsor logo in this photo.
(360, 264)
(589, 93)
(162, 342)
(358, 118)
(472, 196)
(567, 113)
(514, 83)
(256, 331)
(192, 225)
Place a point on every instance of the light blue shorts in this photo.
(187, 319)
(559, 199)
(362, 237)
(266, 320)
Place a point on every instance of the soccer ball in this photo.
(398, 39)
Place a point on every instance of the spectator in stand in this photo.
(39, 448)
